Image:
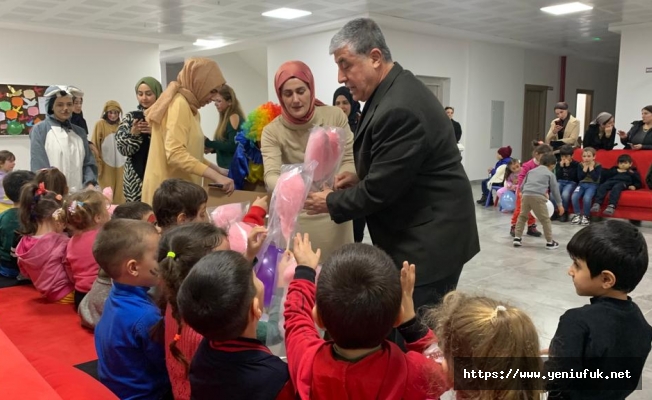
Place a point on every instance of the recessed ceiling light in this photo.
(210, 43)
(567, 8)
(286, 13)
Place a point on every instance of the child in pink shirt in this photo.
(84, 212)
(42, 249)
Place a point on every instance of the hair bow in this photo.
(73, 206)
(41, 190)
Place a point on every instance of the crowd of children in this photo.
(177, 314)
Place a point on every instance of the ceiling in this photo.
(176, 24)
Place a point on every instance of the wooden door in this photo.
(534, 118)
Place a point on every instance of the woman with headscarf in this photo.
(343, 99)
(601, 133)
(639, 136)
(55, 142)
(284, 141)
(177, 149)
(133, 138)
(110, 163)
(565, 129)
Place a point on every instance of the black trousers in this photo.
(358, 229)
(616, 188)
(79, 296)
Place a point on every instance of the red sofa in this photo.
(633, 204)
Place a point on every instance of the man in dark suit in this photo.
(450, 111)
(410, 184)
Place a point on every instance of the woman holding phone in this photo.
(564, 129)
(639, 136)
(133, 138)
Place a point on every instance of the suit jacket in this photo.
(413, 190)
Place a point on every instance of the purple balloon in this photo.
(267, 271)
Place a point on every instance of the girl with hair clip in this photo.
(42, 250)
(53, 179)
(180, 249)
(84, 213)
(231, 119)
(480, 333)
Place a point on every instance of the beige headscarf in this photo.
(195, 81)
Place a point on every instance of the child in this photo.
(84, 212)
(177, 201)
(92, 305)
(609, 260)
(503, 155)
(7, 164)
(511, 178)
(482, 334)
(539, 151)
(566, 177)
(53, 179)
(588, 175)
(360, 297)
(615, 180)
(42, 250)
(535, 196)
(222, 299)
(12, 185)
(130, 362)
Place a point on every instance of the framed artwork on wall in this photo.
(21, 107)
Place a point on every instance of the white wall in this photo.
(599, 77)
(543, 69)
(634, 84)
(103, 69)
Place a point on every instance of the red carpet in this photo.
(36, 326)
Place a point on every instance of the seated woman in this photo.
(564, 129)
(639, 137)
(600, 134)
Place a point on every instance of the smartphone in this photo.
(559, 122)
(216, 185)
(138, 115)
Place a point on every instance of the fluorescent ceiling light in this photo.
(286, 13)
(567, 8)
(209, 43)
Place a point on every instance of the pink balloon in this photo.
(290, 190)
(238, 234)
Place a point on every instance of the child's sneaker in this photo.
(532, 231)
(585, 220)
(552, 245)
(576, 219)
(517, 242)
(610, 210)
(595, 208)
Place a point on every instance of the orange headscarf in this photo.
(195, 81)
(299, 70)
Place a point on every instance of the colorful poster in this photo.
(21, 107)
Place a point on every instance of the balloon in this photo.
(267, 271)
(551, 209)
(508, 201)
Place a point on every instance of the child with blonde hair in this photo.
(84, 212)
(42, 249)
(480, 333)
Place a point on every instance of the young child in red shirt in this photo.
(360, 297)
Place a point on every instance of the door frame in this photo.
(588, 113)
(544, 103)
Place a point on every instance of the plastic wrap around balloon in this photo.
(326, 147)
(549, 206)
(267, 271)
(508, 201)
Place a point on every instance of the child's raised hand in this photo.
(255, 241)
(303, 252)
(262, 203)
(632, 188)
(287, 259)
(408, 277)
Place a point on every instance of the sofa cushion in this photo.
(637, 198)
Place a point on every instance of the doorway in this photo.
(584, 110)
(440, 87)
(534, 118)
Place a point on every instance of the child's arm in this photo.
(255, 241)
(566, 348)
(257, 212)
(596, 172)
(521, 177)
(554, 190)
(581, 173)
(636, 180)
(417, 336)
(153, 351)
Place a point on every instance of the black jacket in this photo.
(647, 140)
(592, 138)
(631, 177)
(413, 189)
(458, 130)
(567, 173)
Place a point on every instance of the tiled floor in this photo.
(534, 278)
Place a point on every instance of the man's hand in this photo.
(316, 202)
(261, 202)
(255, 241)
(408, 276)
(346, 180)
(631, 187)
(561, 209)
(303, 252)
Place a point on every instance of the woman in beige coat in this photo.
(565, 128)
(284, 141)
(177, 145)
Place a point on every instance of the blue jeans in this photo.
(566, 190)
(585, 191)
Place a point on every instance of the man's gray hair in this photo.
(362, 35)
